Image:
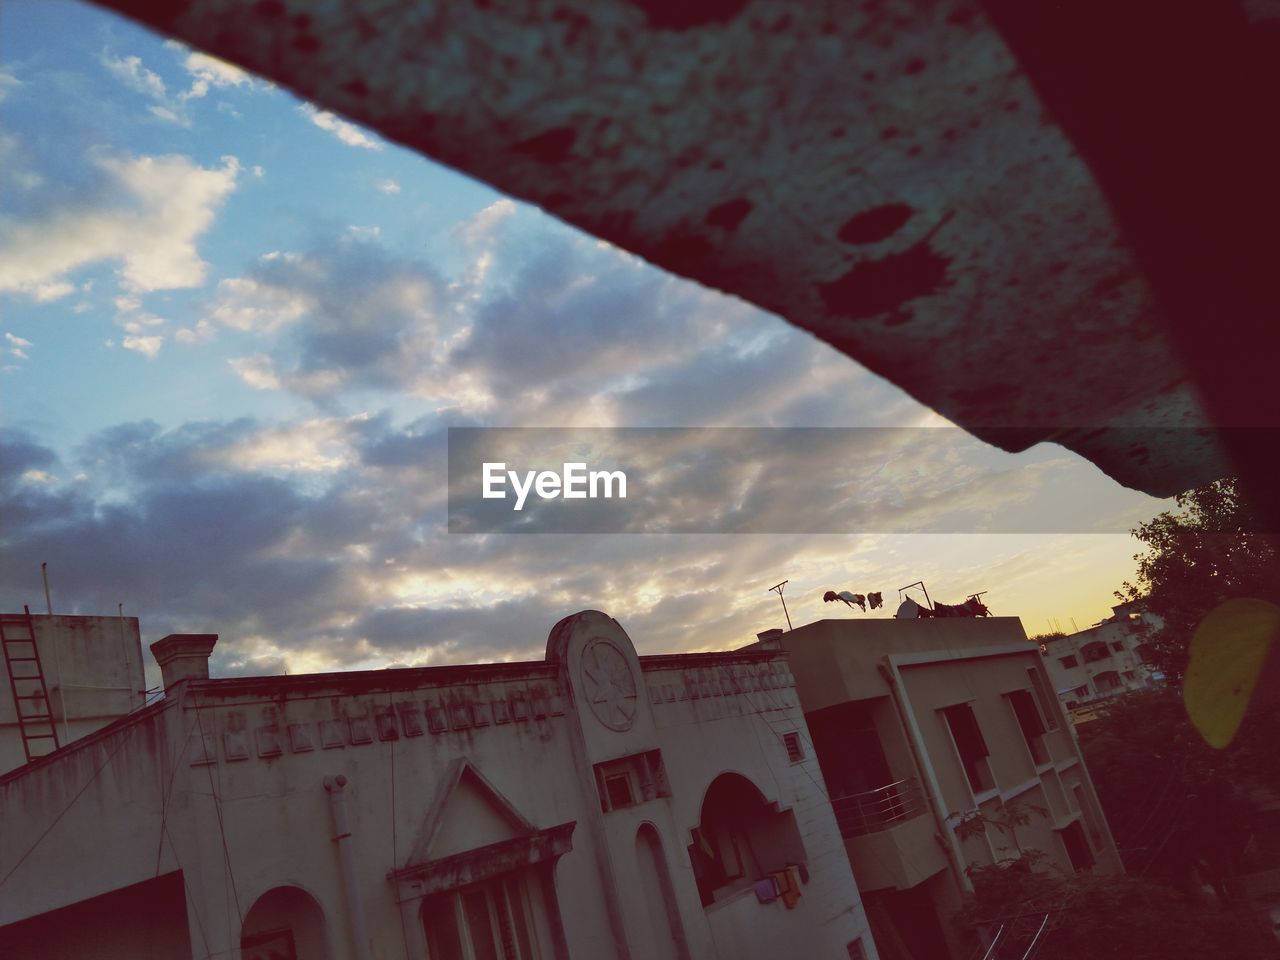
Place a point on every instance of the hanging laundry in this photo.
(788, 887)
(875, 600)
(766, 890)
(849, 599)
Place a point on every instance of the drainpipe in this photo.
(931, 790)
(342, 836)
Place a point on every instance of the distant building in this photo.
(920, 724)
(64, 678)
(594, 805)
(1107, 659)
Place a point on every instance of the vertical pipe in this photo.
(933, 793)
(342, 837)
(44, 575)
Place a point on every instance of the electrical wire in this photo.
(222, 830)
(65, 810)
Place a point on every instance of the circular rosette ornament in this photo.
(609, 684)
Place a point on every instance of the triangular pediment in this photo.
(467, 812)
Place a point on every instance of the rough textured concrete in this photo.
(882, 174)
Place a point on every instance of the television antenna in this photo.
(777, 588)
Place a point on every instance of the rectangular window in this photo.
(795, 752)
(1069, 662)
(856, 951)
(971, 746)
(627, 781)
(1024, 708)
(618, 789)
(1077, 847)
(1092, 820)
(486, 921)
(1048, 704)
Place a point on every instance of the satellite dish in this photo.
(908, 610)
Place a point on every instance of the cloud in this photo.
(8, 82)
(147, 346)
(131, 72)
(146, 214)
(345, 131)
(261, 305)
(256, 371)
(210, 72)
(387, 186)
(342, 317)
(539, 327)
(321, 545)
(18, 346)
(48, 292)
(205, 73)
(480, 229)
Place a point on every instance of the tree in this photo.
(1206, 552)
(1011, 815)
(1106, 916)
(1179, 809)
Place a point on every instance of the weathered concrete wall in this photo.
(93, 672)
(87, 820)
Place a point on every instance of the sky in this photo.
(236, 329)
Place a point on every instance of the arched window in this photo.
(1095, 651)
(285, 923)
(1108, 681)
(740, 839)
(668, 939)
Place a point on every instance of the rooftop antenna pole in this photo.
(777, 588)
(920, 584)
(44, 574)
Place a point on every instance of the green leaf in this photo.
(1228, 651)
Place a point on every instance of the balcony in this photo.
(889, 839)
(873, 810)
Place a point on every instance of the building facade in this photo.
(930, 734)
(68, 675)
(595, 804)
(1103, 661)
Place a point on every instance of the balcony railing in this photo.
(858, 814)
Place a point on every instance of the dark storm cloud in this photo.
(211, 545)
(22, 452)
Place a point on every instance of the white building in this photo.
(929, 733)
(594, 804)
(1102, 661)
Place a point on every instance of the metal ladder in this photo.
(26, 683)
